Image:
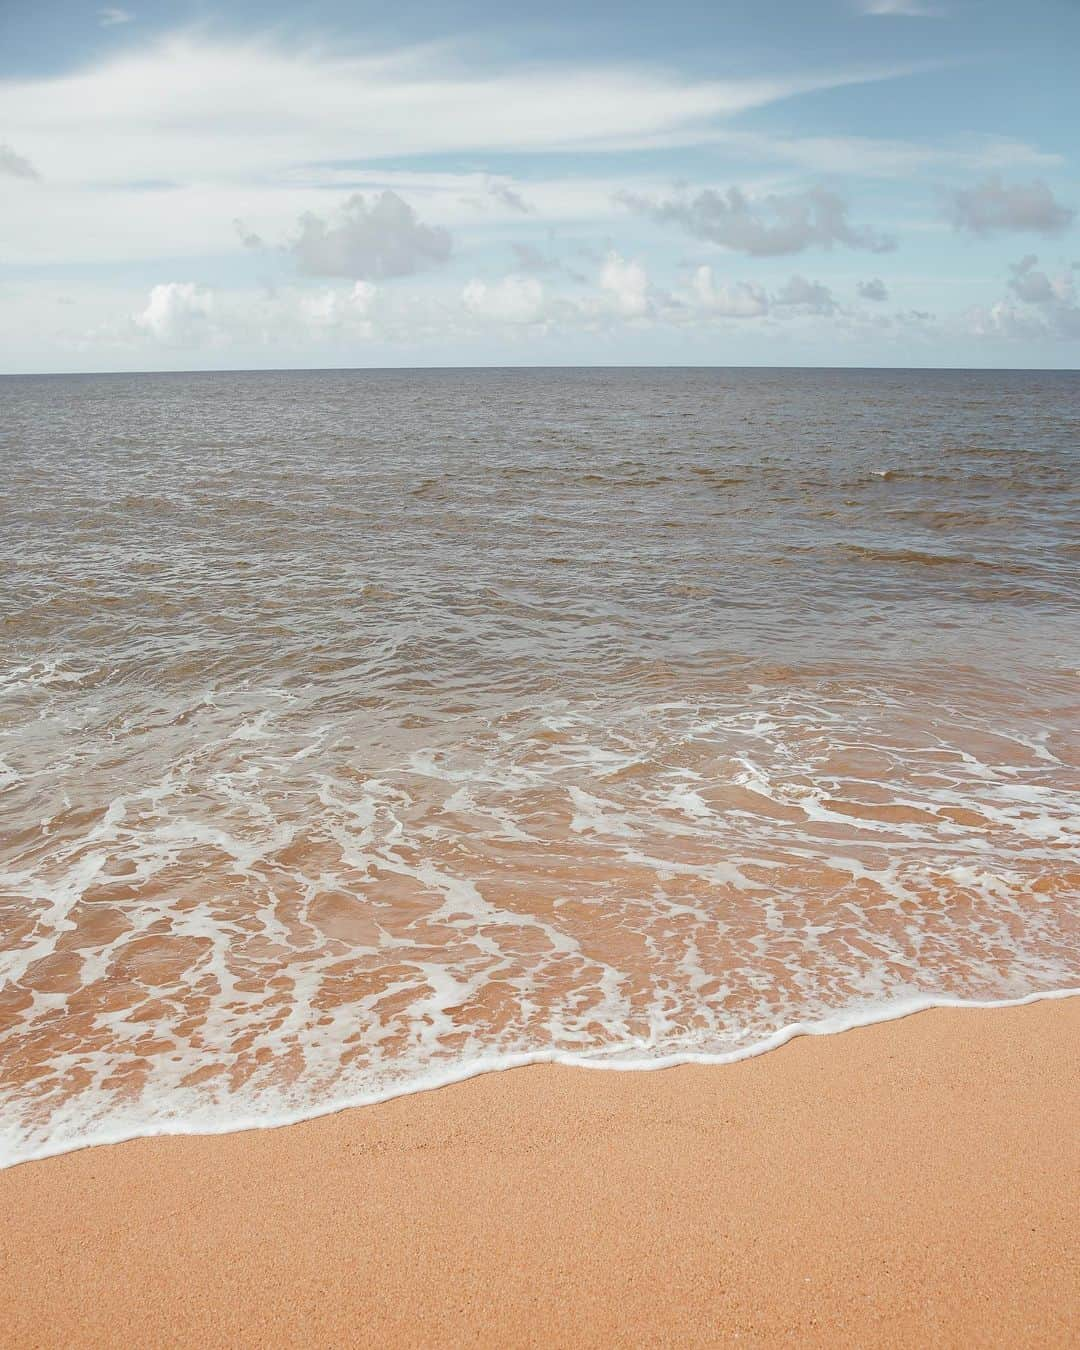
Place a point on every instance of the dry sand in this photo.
(911, 1184)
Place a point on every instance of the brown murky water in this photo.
(360, 730)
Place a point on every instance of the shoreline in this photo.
(912, 1182)
(832, 1026)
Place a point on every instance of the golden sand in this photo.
(911, 1184)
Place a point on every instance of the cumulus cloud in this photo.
(1053, 296)
(178, 314)
(340, 310)
(766, 227)
(1032, 286)
(993, 206)
(299, 316)
(810, 297)
(741, 300)
(626, 283)
(874, 289)
(1003, 320)
(513, 300)
(624, 291)
(747, 300)
(1041, 306)
(15, 166)
(184, 314)
(369, 239)
(247, 237)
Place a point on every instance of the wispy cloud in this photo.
(110, 16)
(904, 9)
(507, 196)
(15, 166)
(880, 157)
(258, 108)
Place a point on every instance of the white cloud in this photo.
(769, 226)
(178, 313)
(808, 297)
(185, 315)
(111, 15)
(506, 195)
(1041, 307)
(533, 259)
(513, 300)
(994, 206)
(189, 107)
(152, 152)
(338, 310)
(798, 297)
(880, 157)
(742, 300)
(378, 238)
(907, 9)
(627, 284)
(15, 166)
(1053, 296)
(369, 323)
(106, 223)
(1004, 319)
(1035, 287)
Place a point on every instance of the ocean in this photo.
(363, 730)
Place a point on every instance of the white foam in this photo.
(682, 881)
(623, 1059)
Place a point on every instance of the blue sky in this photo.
(835, 182)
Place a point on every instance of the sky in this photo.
(335, 183)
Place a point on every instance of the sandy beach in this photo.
(915, 1183)
(539, 651)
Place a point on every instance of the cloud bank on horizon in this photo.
(830, 183)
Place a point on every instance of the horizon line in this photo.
(582, 366)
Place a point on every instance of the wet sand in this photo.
(910, 1184)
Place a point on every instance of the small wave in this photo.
(630, 1060)
(266, 920)
(922, 558)
(41, 675)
